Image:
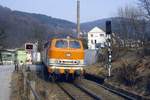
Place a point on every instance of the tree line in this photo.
(134, 21)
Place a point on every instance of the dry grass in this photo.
(95, 69)
(16, 87)
(45, 90)
(133, 57)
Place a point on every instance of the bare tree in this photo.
(131, 23)
(39, 35)
(145, 4)
(2, 37)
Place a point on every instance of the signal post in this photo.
(109, 46)
(29, 49)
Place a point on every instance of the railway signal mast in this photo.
(29, 49)
(109, 33)
(78, 18)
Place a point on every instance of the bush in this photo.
(146, 51)
(148, 84)
(115, 53)
(127, 74)
(102, 55)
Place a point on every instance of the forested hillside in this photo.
(19, 27)
(123, 27)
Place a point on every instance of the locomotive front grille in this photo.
(66, 62)
(69, 62)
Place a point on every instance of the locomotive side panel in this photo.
(45, 52)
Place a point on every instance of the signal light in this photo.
(108, 27)
(29, 46)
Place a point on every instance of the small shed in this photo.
(21, 55)
(7, 56)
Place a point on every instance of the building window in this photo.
(102, 35)
(95, 41)
(91, 35)
(92, 41)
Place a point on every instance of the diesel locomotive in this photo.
(64, 57)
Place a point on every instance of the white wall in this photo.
(97, 37)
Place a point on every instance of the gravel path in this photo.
(5, 79)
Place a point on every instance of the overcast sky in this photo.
(66, 9)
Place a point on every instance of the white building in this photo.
(96, 38)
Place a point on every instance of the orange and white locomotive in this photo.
(64, 56)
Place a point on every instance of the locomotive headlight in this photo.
(77, 62)
(57, 61)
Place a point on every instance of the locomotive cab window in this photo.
(61, 44)
(74, 44)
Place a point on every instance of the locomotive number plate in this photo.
(68, 54)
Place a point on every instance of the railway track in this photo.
(99, 91)
(74, 89)
(78, 92)
(88, 89)
(120, 92)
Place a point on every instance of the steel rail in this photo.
(83, 89)
(120, 92)
(87, 91)
(67, 92)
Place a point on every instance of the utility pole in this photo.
(78, 18)
(109, 33)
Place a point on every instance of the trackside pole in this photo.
(78, 18)
(108, 33)
(109, 71)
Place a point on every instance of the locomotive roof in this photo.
(66, 38)
(61, 36)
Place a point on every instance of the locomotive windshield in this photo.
(74, 44)
(65, 44)
(61, 44)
